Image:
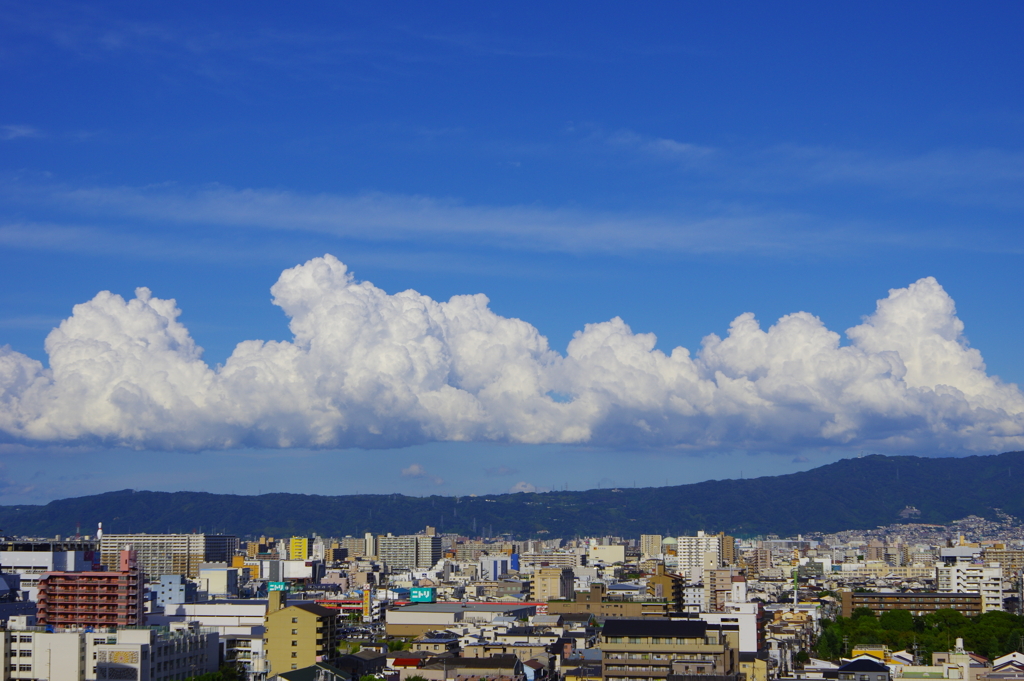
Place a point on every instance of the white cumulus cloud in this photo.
(419, 472)
(370, 369)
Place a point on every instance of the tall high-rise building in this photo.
(691, 552)
(298, 548)
(650, 545)
(170, 554)
(729, 555)
(409, 551)
(369, 545)
(428, 551)
(553, 583)
(356, 546)
(112, 598)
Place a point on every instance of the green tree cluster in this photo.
(991, 634)
(226, 673)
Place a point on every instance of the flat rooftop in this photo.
(463, 607)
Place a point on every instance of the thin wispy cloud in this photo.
(389, 218)
(226, 52)
(992, 177)
(501, 471)
(29, 322)
(13, 132)
(121, 242)
(989, 177)
(660, 147)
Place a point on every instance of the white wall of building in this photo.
(973, 578)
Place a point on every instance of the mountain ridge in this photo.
(850, 494)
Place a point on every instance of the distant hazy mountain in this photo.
(850, 494)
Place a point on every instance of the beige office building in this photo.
(552, 583)
(650, 545)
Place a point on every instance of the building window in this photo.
(295, 654)
(295, 632)
(295, 620)
(295, 643)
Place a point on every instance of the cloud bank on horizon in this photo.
(369, 369)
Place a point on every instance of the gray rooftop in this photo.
(464, 607)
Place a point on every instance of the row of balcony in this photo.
(89, 605)
(86, 588)
(68, 602)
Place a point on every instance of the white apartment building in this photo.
(239, 624)
(965, 577)
(39, 655)
(129, 654)
(218, 580)
(691, 553)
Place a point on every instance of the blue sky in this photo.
(673, 165)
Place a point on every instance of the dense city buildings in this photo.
(689, 607)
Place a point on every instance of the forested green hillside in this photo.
(850, 494)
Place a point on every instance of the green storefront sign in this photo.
(423, 595)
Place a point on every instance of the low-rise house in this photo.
(864, 669)
(436, 642)
(508, 667)
(363, 663)
(321, 671)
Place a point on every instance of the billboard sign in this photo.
(277, 586)
(367, 604)
(423, 594)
